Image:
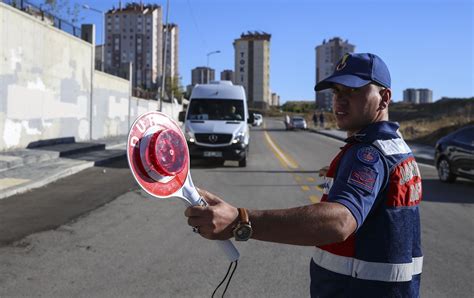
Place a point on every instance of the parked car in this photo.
(298, 122)
(454, 155)
(257, 119)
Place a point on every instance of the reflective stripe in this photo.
(393, 146)
(328, 181)
(368, 270)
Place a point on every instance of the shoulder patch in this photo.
(368, 155)
(363, 177)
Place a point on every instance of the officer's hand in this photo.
(214, 221)
(323, 171)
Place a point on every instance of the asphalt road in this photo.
(137, 246)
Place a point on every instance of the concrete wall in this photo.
(47, 82)
(109, 105)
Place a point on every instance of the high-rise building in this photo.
(275, 99)
(252, 67)
(171, 68)
(411, 95)
(98, 56)
(416, 96)
(327, 56)
(202, 75)
(227, 75)
(426, 95)
(134, 34)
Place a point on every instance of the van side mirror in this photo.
(181, 116)
(251, 118)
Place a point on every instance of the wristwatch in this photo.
(243, 230)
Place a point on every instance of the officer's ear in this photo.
(386, 97)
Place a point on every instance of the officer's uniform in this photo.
(376, 177)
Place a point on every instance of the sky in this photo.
(425, 43)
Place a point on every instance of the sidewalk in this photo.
(47, 161)
(423, 153)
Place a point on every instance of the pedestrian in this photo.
(321, 119)
(287, 122)
(315, 119)
(366, 229)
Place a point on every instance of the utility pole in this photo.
(163, 75)
(102, 62)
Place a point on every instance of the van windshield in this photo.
(216, 109)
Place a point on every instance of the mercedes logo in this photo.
(213, 138)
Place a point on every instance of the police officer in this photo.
(366, 229)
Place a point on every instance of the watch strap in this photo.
(243, 215)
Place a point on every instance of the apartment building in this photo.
(252, 67)
(134, 34)
(327, 56)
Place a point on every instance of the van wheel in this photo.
(444, 171)
(243, 162)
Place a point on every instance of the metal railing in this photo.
(39, 13)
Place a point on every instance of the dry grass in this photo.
(423, 123)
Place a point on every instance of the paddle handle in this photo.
(195, 199)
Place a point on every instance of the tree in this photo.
(63, 9)
(174, 88)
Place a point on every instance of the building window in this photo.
(242, 69)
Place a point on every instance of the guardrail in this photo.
(39, 13)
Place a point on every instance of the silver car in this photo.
(298, 122)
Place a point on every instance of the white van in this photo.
(216, 122)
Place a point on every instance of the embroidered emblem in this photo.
(363, 177)
(342, 64)
(368, 155)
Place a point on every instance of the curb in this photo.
(54, 177)
(29, 186)
(421, 160)
(326, 134)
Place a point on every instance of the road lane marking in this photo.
(317, 187)
(288, 162)
(9, 182)
(279, 153)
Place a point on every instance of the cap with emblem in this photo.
(356, 70)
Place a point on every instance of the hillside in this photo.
(426, 123)
(420, 123)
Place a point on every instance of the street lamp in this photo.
(85, 6)
(211, 53)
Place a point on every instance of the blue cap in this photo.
(356, 70)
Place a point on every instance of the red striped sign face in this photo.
(157, 154)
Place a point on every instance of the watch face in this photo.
(243, 233)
